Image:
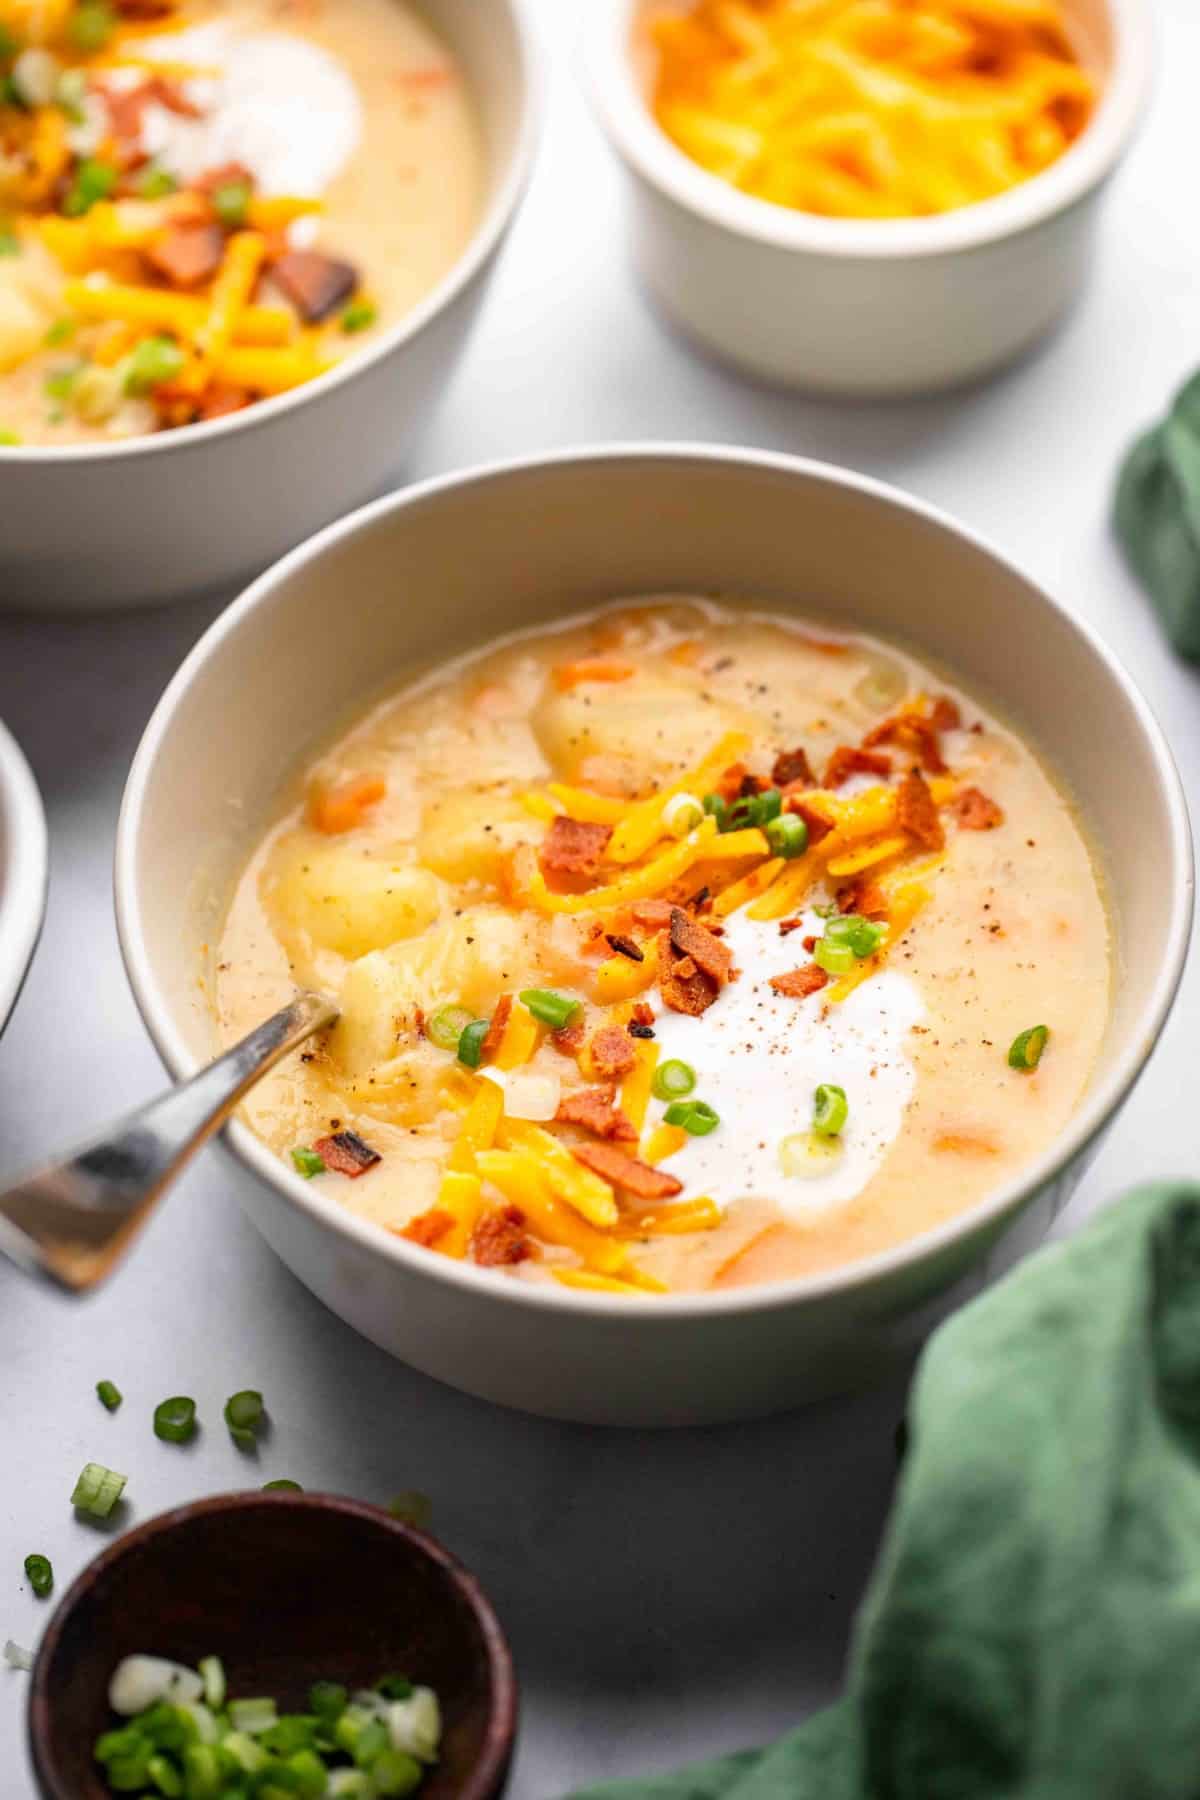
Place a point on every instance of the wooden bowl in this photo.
(286, 1589)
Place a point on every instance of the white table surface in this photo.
(666, 1595)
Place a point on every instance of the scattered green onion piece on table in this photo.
(673, 1079)
(446, 1026)
(358, 316)
(91, 26)
(40, 1574)
(470, 1042)
(244, 1414)
(551, 1008)
(834, 957)
(175, 1419)
(1026, 1049)
(154, 361)
(787, 835)
(307, 1162)
(109, 1395)
(697, 1117)
(830, 1110)
(98, 1490)
(231, 202)
(282, 1486)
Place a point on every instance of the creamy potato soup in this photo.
(678, 948)
(207, 202)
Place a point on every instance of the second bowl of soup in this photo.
(724, 921)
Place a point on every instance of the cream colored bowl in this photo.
(90, 528)
(868, 307)
(452, 563)
(23, 871)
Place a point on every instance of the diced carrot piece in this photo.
(341, 808)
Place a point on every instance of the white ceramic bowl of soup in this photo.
(145, 519)
(23, 870)
(866, 306)
(629, 522)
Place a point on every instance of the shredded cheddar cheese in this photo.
(869, 108)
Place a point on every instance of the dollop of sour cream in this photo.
(281, 106)
(759, 1056)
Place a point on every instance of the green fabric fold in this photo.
(1157, 517)
(1032, 1628)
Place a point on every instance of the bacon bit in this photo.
(612, 1053)
(914, 731)
(655, 915)
(818, 825)
(787, 926)
(696, 943)
(126, 106)
(315, 284)
(684, 988)
(700, 899)
(729, 784)
(145, 9)
(499, 1238)
(625, 946)
(797, 984)
(637, 1030)
(346, 1152)
(792, 765)
(428, 1227)
(643, 1014)
(341, 808)
(751, 785)
(573, 849)
(627, 1172)
(591, 668)
(945, 714)
(593, 1109)
(865, 897)
(220, 398)
(847, 761)
(975, 812)
(810, 942)
(916, 812)
(495, 1030)
(568, 1041)
(175, 405)
(230, 174)
(187, 255)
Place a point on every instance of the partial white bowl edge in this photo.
(24, 870)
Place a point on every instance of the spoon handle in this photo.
(74, 1219)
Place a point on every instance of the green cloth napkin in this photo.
(1032, 1629)
(1158, 517)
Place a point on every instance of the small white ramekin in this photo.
(865, 306)
(92, 527)
(23, 870)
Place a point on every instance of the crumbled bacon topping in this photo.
(643, 1013)
(945, 715)
(627, 1172)
(818, 825)
(689, 939)
(572, 849)
(500, 1238)
(187, 255)
(916, 812)
(612, 1053)
(346, 1152)
(976, 812)
(624, 946)
(593, 1109)
(654, 915)
(848, 760)
(428, 1228)
(797, 984)
(496, 1027)
(315, 284)
(792, 766)
(569, 1040)
(916, 731)
(863, 896)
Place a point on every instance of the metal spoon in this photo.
(74, 1219)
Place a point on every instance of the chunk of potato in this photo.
(648, 726)
(344, 899)
(468, 834)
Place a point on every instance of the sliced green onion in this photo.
(253, 1716)
(394, 1687)
(358, 316)
(91, 26)
(230, 202)
(40, 1574)
(716, 808)
(673, 1079)
(109, 1395)
(411, 1507)
(166, 1777)
(155, 183)
(175, 1419)
(282, 1486)
(1026, 1049)
(393, 1773)
(697, 1117)
(552, 1008)
(243, 1415)
(787, 835)
(155, 360)
(61, 332)
(470, 1042)
(94, 180)
(861, 934)
(834, 958)
(211, 1671)
(446, 1026)
(327, 1699)
(71, 93)
(201, 1773)
(98, 1490)
(58, 384)
(350, 1784)
(681, 814)
(830, 1110)
(770, 805)
(308, 1163)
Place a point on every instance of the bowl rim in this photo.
(502, 1679)
(489, 232)
(622, 110)
(24, 869)
(1110, 1087)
